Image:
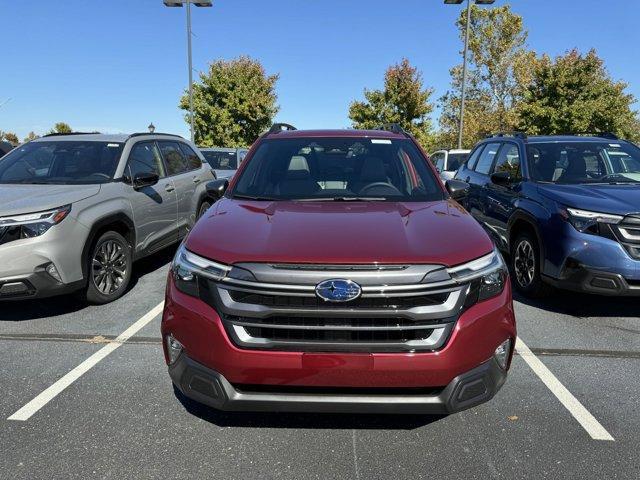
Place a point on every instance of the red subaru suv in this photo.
(337, 273)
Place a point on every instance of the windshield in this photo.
(338, 169)
(61, 163)
(455, 160)
(221, 160)
(584, 162)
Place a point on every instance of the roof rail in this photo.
(394, 128)
(515, 134)
(58, 134)
(141, 134)
(607, 135)
(279, 127)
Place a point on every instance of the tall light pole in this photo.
(464, 58)
(197, 3)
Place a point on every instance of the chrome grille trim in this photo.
(423, 324)
(449, 308)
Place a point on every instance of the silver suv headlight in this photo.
(486, 275)
(30, 225)
(188, 266)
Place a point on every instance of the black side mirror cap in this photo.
(145, 179)
(457, 189)
(501, 178)
(216, 188)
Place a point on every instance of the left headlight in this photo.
(188, 266)
(487, 276)
(586, 221)
(31, 225)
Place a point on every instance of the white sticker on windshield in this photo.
(614, 145)
(113, 145)
(381, 140)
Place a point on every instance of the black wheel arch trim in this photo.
(93, 232)
(522, 215)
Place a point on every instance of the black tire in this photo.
(206, 205)
(109, 268)
(526, 264)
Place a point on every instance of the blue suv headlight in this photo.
(586, 221)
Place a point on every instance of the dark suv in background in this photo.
(566, 209)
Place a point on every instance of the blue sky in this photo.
(116, 65)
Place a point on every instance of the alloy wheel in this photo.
(524, 263)
(109, 267)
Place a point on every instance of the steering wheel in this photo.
(371, 186)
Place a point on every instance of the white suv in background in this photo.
(447, 162)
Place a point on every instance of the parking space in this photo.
(121, 417)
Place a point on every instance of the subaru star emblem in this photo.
(338, 290)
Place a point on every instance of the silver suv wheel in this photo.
(109, 267)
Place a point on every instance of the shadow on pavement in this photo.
(61, 305)
(326, 421)
(583, 305)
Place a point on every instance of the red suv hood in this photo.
(338, 233)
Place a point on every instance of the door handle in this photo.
(196, 179)
(169, 188)
(467, 180)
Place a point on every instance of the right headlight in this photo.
(486, 275)
(188, 266)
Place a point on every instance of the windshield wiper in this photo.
(250, 197)
(339, 199)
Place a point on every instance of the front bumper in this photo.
(211, 388)
(582, 279)
(36, 285)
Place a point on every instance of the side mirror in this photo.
(145, 179)
(501, 178)
(457, 189)
(216, 188)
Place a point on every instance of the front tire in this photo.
(109, 265)
(206, 205)
(525, 264)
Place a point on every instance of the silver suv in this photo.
(77, 210)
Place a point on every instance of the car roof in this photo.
(104, 137)
(569, 138)
(335, 133)
(219, 149)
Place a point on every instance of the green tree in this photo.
(61, 127)
(233, 103)
(9, 137)
(497, 71)
(403, 100)
(575, 93)
(31, 136)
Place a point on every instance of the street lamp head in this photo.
(179, 3)
(151, 127)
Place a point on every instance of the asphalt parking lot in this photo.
(80, 402)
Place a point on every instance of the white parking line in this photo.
(571, 403)
(50, 393)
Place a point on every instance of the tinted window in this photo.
(584, 162)
(61, 162)
(343, 168)
(486, 158)
(193, 162)
(455, 160)
(473, 159)
(144, 158)
(176, 162)
(508, 160)
(221, 160)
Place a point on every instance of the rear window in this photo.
(338, 168)
(221, 160)
(61, 162)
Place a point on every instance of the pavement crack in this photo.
(75, 337)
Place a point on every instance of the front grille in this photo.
(628, 234)
(279, 310)
(283, 301)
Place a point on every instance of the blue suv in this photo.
(565, 208)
